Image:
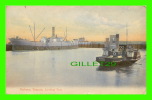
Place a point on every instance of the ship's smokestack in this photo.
(53, 31)
(117, 41)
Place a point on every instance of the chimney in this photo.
(117, 41)
(53, 31)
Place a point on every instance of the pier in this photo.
(137, 45)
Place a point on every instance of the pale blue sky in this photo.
(95, 23)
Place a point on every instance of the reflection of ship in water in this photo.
(123, 55)
(52, 43)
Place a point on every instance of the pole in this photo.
(34, 32)
(126, 35)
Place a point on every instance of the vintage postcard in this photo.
(76, 50)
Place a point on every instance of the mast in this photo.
(31, 32)
(34, 32)
(66, 33)
(126, 34)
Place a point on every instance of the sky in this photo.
(95, 23)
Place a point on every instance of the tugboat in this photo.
(117, 55)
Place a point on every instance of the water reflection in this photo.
(52, 68)
(118, 69)
(125, 69)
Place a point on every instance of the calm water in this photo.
(52, 68)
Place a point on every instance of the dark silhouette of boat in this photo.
(115, 55)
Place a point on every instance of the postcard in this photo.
(76, 50)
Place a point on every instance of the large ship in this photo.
(52, 43)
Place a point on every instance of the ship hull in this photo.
(119, 63)
(30, 45)
(27, 47)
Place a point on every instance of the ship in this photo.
(120, 55)
(51, 43)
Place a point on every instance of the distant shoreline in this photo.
(91, 45)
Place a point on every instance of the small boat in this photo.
(115, 55)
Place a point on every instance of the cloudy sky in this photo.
(95, 23)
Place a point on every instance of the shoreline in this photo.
(136, 46)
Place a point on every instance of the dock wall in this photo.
(89, 45)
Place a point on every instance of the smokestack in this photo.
(117, 41)
(53, 31)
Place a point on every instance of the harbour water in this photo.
(53, 68)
